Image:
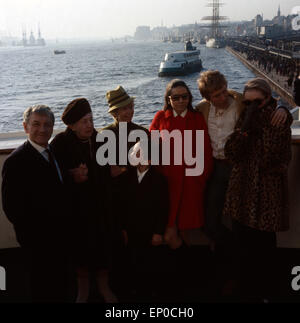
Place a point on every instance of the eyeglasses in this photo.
(256, 101)
(177, 97)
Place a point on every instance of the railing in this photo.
(294, 111)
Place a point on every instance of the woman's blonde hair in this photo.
(259, 84)
(209, 82)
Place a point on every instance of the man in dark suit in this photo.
(35, 201)
(296, 92)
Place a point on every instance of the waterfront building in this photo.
(142, 33)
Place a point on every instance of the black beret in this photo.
(75, 110)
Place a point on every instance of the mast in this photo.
(215, 18)
(24, 36)
(39, 31)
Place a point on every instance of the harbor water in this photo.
(35, 75)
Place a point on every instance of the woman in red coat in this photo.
(185, 192)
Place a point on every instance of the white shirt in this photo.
(183, 114)
(141, 175)
(40, 149)
(44, 153)
(221, 125)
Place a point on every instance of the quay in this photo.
(277, 82)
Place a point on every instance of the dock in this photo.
(277, 82)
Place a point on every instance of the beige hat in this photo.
(118, 98)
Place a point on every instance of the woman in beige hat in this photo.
(121, 108)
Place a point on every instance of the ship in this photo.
(32, 41)
(215, 40)
(181, 62)
(215, 43)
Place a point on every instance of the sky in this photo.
(98, 19)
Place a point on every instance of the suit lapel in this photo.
(146, 178)
(34, 154)
(37, 158)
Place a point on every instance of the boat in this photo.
(216, 39)
(181, 62)
(32, 40)
(215, 43)
(202, 41)
(56, 52)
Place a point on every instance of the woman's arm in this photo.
(236, 145)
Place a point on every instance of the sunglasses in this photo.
(256, 101)
(177, 97)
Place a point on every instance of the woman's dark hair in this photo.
(172, 85)
(259, 84)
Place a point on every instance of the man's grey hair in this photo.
(40, 109)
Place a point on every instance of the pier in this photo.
(278, 83)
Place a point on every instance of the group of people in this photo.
(268, 63)
(73, 217)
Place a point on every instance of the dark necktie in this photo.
(52, 162)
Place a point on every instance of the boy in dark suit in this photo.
(145, 219)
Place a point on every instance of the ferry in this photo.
(181, 62)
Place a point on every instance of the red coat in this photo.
(185, 192)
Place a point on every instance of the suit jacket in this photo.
(145, 207)
(296, 92)
(34, 199)
(130, 127)
(116, 186)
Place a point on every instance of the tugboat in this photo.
(56, 52)
(181, 63)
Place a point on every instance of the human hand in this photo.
(156, 239)
(279, 117)
(251, 110)
(80, 174)
(117, 170)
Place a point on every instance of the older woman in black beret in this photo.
(75, 149)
